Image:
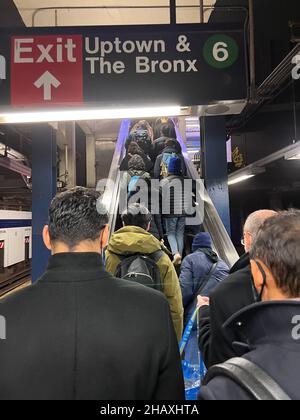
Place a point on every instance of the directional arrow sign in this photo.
(47, 80)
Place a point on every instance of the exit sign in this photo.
(46, 70)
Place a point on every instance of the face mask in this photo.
(258, 296)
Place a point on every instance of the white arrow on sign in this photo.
(47, 80)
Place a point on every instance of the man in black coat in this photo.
(81, 334)
(268, 333)
(233, 294)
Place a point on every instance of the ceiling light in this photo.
(244, 174)
(240, 179)
(293, 155)
(89, 114)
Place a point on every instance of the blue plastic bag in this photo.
(193, 373)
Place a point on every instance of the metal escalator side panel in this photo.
(211, 220)
(111, 194)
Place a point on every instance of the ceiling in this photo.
(108, 12)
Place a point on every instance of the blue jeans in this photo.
(175, 228)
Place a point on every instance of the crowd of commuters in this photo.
(89, 331)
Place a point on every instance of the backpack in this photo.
(164, 165)
(250, 377)
(143, 139)
(132, 185)
(141, 269)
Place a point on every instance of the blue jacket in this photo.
(193, 270)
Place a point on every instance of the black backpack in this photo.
(141, 269)
(251, 378)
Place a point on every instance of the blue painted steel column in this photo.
(43, 190)
(215, 165)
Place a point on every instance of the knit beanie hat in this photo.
(136, 163)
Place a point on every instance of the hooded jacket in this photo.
(195, 267)
(193, 271)
(134, 240)
(267, 334)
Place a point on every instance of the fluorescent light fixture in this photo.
(240, 179)
(293, 154)
(296, 157)
(244, 174)
(89, 114)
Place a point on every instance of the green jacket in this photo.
(131, 240)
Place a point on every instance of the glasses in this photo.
(243, 241)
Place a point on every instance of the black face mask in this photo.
(258, 296)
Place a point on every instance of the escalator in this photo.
(206, 212)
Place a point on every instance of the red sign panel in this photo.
(46, 70)
(2, 245)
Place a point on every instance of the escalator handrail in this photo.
(112, 191)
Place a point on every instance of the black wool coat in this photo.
(81, 334)
(267, 335)
(232, 295)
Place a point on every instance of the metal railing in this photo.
(204, 9)
(112, 192)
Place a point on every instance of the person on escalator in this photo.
(178, 199)
(134, 149)
(201, 272)
(160, 143)
(142, 134)
(143, 125)
(136, 172)
(139, 179)
(169, 128)
(134, 238)
(171, 150)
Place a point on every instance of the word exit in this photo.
(59, 51)
(46, 70)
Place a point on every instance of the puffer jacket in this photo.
(134, 240)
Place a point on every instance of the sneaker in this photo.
(177, 259)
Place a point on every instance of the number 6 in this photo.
(220, 51)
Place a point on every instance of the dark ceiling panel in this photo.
(9, 15)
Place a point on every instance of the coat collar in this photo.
(264, 323)
(242, 263)
(75, 265)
